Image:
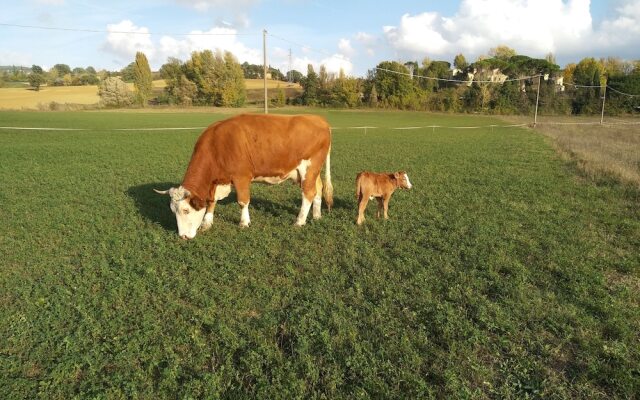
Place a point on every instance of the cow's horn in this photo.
(161, 191)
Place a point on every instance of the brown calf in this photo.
(380, 186)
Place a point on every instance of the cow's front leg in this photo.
(208, 216)
(242, 190)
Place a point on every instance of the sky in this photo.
(351, 35)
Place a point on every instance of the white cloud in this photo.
(344, 45)
(214, 39)
(204, 5)
(125, 45)
(530, 27)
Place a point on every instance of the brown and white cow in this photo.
(253, 148)
(380, 186)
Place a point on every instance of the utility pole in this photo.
(535, 117)
(264, 74)
(604, 98)
(289, 77)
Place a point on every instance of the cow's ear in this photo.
(397, 175)
(197, 203)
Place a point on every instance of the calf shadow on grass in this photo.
(155, 207)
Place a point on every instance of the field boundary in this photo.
(402, 128)
(333, 128)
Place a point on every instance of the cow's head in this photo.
(189, 210)
(402, 180)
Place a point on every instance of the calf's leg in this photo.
(362, 206)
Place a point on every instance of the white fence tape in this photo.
(403, 128)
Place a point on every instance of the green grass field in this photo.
(502, 274)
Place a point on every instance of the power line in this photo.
(127, 32)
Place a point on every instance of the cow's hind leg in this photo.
(308, 194)
(317, 200)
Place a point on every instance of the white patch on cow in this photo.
(302, 170)
(317, 203)
(244, 216)
(304, 211)
(298, 174)
(222, 191)
(409, 185)
(188, 218)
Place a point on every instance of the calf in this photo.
(380, 186)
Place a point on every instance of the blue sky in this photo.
(353, 35)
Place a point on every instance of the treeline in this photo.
(504, 83)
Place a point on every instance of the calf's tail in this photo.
(327, 188)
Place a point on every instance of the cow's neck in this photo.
(198, 178)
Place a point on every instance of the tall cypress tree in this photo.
(142, 80)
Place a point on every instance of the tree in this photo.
(373, 97)
(460, 62)
(587, 75)
(62, 69)
(502, 52)
(36, 69)
(127, 73)
(231, 87)
(393, 83)
(114, 92)
(142, 80)
(295, 76)
(310, 87)
(36, 79)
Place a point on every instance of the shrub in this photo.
(114, 92)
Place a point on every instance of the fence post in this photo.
(604, 98)
(535, 115)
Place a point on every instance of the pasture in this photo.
(19, 98)
(502, 274)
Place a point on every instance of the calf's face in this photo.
(189, 216)
(403, 180)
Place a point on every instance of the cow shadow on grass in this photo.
(155, 207)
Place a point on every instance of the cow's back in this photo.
(269, 145)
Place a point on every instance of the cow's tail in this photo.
(327, 188)
(358, 180)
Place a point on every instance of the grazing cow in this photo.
(380, 186)
(253, 148)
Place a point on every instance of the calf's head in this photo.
(402, 180)
(189, 210)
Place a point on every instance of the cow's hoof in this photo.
(299, 223)
(244, 224)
